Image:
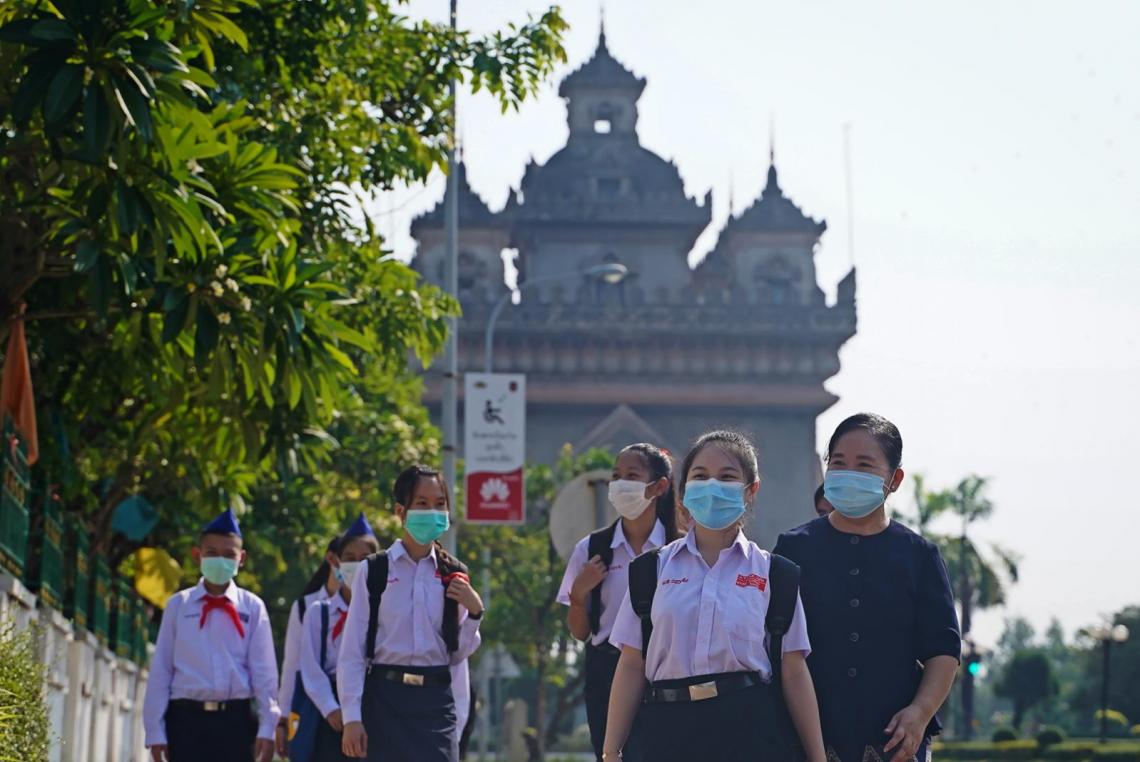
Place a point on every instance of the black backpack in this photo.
(378, 583)
(600, 544)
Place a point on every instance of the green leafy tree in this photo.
(1124, 672)
(1026, 680)
(208, 316)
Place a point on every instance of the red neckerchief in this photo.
(338, 628)
(225, 604)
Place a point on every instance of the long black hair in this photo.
(886, 434)
(320, 577)
(660, 467)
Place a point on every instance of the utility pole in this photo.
(449, 414)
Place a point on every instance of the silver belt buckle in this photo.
(702, 691)
(213, 706)
(410, 679)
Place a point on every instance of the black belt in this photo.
(700, 688)
(230, 705)
(396, 675)
(607, 648)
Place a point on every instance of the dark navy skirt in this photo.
(409, 723)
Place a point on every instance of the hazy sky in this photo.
(997, 202)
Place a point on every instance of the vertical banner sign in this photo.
(494, 447)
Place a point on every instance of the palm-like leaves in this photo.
(985, 570)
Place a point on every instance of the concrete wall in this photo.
(94, 697)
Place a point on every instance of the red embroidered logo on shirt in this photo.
(682, 580)
(751, 580)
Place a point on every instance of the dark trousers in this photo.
(409, 723)
(328, 745)
(193, 735)
(600, 666)
(739, 726)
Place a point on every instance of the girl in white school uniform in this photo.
(320, 587)
(318, 675)
(596, 578)
(706, 675)
(393, 677)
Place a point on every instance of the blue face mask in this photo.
(218, 570)
(853, 493)
(426, 527)
(714, 504)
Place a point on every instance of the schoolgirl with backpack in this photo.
(413, 614)
(596, 578)
(712, 634)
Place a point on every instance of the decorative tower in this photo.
(746, 340)
(482, 238)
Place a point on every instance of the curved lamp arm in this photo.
(610, 273)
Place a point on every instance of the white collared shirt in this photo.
(290, 656)
(212, 662)
(708, 620)
(314, 674)
(616, 584)
(409, 628)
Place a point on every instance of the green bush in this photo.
(1136, 731)
(1025, 750)
(1049, 736)
(1002, 735)
(1117, 722)
(24, 728)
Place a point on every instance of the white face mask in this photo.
(628, 498)
(347, 571)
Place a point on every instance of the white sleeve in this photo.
(161, 675)
(796, 638)
(627, 626)
(469, 637)
(289, 658)
(351, 660)
(573, 569)
(263, 671)
(313, 673)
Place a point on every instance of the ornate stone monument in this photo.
(744, 340)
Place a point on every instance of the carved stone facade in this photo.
(744, 340)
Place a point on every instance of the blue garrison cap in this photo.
(224, 523)
(359, 528)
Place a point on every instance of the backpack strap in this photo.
(642, 586)
(324, 632)
(377, 584)
(600, 544)
(448, 567)
(784, 579)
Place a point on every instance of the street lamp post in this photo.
(1107, 635)
(612, 273)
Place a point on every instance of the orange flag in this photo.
(16, 397)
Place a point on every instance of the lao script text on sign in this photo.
(495, 447)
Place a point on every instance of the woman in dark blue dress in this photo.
(881, 618)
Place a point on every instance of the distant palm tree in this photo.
(983, 572)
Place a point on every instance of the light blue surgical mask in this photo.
(853, 493)
(714, 504)
(218, 570)
(426, 527)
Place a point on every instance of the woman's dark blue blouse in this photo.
(877, 608)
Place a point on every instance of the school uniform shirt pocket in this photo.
(743, 617)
